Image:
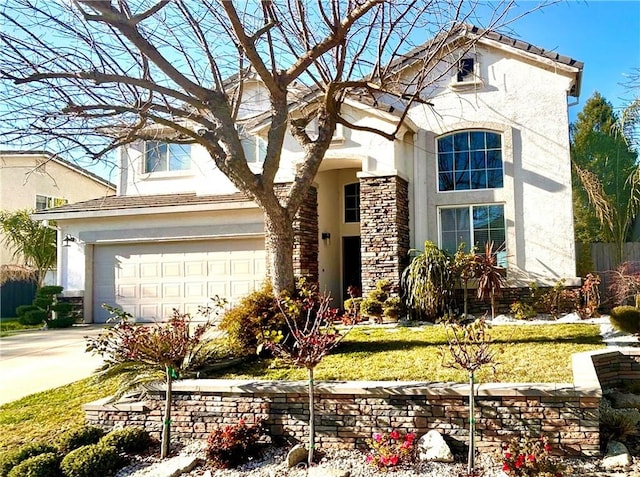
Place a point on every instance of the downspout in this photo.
(59, 256)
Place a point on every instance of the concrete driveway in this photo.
(35, 361)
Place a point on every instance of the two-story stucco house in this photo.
(486, 161)
(40, 180)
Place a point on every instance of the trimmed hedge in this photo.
(79, 437)
(10, 459)
(626, 318)
(43, 465)
(91, 461)
(129, 440)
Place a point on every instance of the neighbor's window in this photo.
(470, 160)
(474, 225)
(162, 157)
(46, 202)
(352, 202)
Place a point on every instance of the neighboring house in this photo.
(40, 180)
(488, 161)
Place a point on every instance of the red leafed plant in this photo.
(311, 337)
(390, 450)
(530, 457)
(231, 445)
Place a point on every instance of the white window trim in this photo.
(168, 172)
(463, 191)
(470, 208)
(50, 201)
(473, 80)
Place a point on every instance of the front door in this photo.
(351, 265)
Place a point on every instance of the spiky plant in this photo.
(490, 276)
(427, 283)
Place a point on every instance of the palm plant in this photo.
(490, 276)
(427, 283)
(32, 244)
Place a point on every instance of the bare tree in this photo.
(100, 74)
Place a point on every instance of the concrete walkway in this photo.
(34, 361)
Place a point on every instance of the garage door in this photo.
(148, 280)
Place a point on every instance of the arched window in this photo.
(470, 160)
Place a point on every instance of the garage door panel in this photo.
(172, 269)
(149, 279)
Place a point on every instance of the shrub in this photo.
(43, 465)
(530, 457)
(91, 461)
(230, 446)
(78, 437)
(393, 307)
(352, 313)
(247, 322)
(617, 424)
(33, 317)
(128, 440)
(389, 450)
(371, 307)
(626, 318)
(558, 300)
(64, 322)
(522, 311)
(625, 284)
(10, 459)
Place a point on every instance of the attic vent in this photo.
(465, 70)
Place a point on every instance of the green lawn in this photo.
(537, 353)
(9, 326)
(526, 354)
(45, 415)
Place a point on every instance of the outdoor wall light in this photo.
(67, 240)
(325, 235)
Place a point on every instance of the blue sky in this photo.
(604, 35)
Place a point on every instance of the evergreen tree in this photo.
(604, 165)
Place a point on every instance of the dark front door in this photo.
(351, 265)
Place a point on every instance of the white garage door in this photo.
(148, 280)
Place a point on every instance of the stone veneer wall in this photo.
(384, 229)
(305, 240)
(348, 413)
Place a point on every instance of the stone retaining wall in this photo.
(348, 413)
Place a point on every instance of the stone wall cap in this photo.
(125, 404)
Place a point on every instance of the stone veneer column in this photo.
(384, 229)
(305, 240)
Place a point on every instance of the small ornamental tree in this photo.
(469, 349)
(151, 354)
(464, 266)
(311, 337)
(490, 276)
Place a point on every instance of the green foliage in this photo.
(246, 322)
(379, 302)
(10, 459)
(617, 424)
(522, 311)
(393, 307)
(531, 457)
(43, 465)
(91, 461)
(42, 308)
(232, 445)
(427, 283)
(32, 244)
(371, 307)
(606, 177)
(79, 436)
(130, 440)
(390, 450)
(626, 318)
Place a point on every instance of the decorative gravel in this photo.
(273, 464)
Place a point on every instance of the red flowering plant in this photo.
(389, 450)
(530, 457)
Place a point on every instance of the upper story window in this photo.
(470, 160)
(46, 202)
(255, 149)
(474, 225)
(465, 70)
(352, 202)
(163, 157)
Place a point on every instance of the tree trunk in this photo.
(166, 421)
(279, 243)
(312, 418)
(472, 425)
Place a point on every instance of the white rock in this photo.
(297, 455)
(327, 472)
(617, 456)
(432, 447)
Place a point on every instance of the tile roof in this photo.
(108, 203)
